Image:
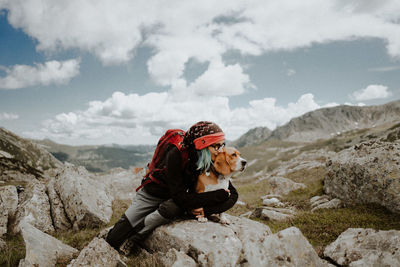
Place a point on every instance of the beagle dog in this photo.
(226, 164)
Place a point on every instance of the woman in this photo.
(159, 203)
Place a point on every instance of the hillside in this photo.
(99, 158)
(325, 123)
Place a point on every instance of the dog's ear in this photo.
(221, 164)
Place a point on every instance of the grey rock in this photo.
(34, 207)
(365, 247)
(175, 258)
(332, 204)
(3, 245)
(86, 201)
(120, 182)
(98, 253)
(43, 249)
(8, 205)
(318, 198)
(272, 202)
(269, 214)
(242, 243)
(60, 219)
(366, 173)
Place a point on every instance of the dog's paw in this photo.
(202, 219)
(219, 218)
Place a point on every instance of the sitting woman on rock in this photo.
(167, 189)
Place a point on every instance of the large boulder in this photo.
(34, 207)
(60, 219)
(8, 205)
(366, 173)
(242, 243)
(365, 247)
(43, 249)
(98, 253)
(86, 201)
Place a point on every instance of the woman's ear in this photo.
(221, 165)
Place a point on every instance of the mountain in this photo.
(100, 158)
(252, 136)
(22, 158)
(325, 123)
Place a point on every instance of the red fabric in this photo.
(205, 141)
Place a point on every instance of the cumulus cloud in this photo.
(373, 91)
(8, 116)
(178, 31)
(51, 72)
(138, 119)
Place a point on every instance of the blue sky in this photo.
(95, 73)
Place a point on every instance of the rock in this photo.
(175, 258)
(271, 196)
(272, 202)
(8, 206)
(332, 204)
(366, 173)
(319, 202)
(318, 198)
(98, 253)
(34, 207)
(274, 215)
(121, 183)
(246, 214)
(242, 243)
(60, 219)
(43, 249)
(283, 186)
(365, 247)
(240, 203)
(3, 245)
(86, 201)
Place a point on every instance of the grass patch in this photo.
(324, 226)
(15, 251)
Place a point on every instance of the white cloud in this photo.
(373, 91)
(51, 72)
(138, 119)
(290, 72)
(8, 116)
(178, 31)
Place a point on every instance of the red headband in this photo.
(205, 141)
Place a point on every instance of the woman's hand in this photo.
(198, 212)
(229, 192)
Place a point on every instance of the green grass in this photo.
(15, 251)
(324, 226)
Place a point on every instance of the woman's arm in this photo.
(223, 206)
(178, 190)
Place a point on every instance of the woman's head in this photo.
(207, 139)
(204, 134)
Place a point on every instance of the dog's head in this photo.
(229, 161)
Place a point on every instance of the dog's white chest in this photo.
(223, 183)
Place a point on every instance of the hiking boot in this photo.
(130, 247)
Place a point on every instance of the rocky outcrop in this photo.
(366, 173)
(43, 249)
(243, 242)
(86, 201)
(60, 219)
(98, 253)
(365, 247)
(8, 206)
(34, 207)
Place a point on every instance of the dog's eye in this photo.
(234, 155)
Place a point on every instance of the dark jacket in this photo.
(180, 184)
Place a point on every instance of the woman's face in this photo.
(216, 148)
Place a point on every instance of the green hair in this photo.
(204, 161)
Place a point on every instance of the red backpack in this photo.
(174, 137)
